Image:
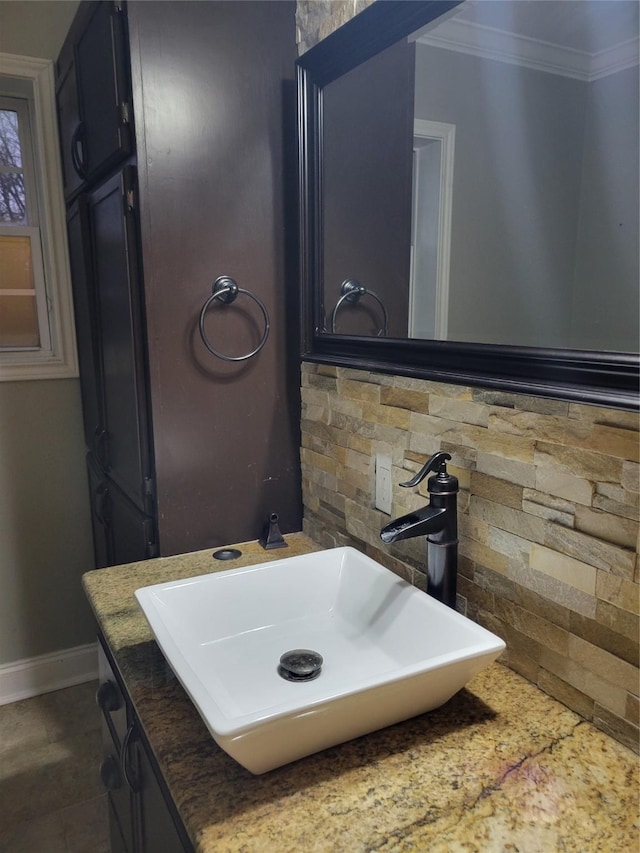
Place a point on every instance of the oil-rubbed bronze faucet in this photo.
(438, 521)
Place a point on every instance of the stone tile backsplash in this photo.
(548, 518)
(548, 507)
(316, 19)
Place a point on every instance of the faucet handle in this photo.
(437, 461)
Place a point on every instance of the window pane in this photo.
(18, 322)
(13, 204)
(18, 313)
(10, 154)
(16, 270)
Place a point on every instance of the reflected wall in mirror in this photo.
(480, 180)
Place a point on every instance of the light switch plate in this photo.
(384, 491)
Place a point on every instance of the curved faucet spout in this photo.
(424, 521)
(438, 523)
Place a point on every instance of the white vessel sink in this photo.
(389, 651)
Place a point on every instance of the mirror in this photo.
(469, 177)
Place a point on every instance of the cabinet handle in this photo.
(77, 153)
(110, 773)
(131, 780)
(101, 505)
(107, 697)
(106, 507)
(100, 447)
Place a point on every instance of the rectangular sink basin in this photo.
(388, 651)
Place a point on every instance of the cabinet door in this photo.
(99, 525)
(132, 532)
(158, 832)
(93, 94)
(121, 821)
(117, 716)
(103, 83)
(117, 842)
(69, 127)
(126, 452)
(121, 532)
(87, 337)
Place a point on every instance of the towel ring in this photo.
(225, 290)
(351, 291)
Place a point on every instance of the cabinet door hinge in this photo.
(118, 5)
(125, 112)
(149, 487)
(152, 550)
(130, 198)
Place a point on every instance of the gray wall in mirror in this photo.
(543, 245)
(367, 190)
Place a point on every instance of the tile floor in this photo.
(51, 796)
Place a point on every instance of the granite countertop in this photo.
(500, 767)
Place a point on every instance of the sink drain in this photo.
(300, 665)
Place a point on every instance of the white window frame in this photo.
(56, 357)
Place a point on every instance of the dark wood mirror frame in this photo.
(603, 378)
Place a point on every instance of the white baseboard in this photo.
(33, 676)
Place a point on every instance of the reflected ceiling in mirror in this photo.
(480, 180)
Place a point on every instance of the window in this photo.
(24, 323)
(36, 321)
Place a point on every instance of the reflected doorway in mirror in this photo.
(433, 157)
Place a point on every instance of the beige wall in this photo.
(45, 534)
(548, 507)
(35, 27)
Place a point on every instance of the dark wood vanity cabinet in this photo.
(110, 322)
(68, 107)
(142, 816)
(121, 532)
(121, 439)
(96, 141)
(159, 831)
(86, 319)
(109, 328)
(101, 528)
(94, 95)
(177, 172)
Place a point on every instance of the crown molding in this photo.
(623, 55)
(491, 43)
